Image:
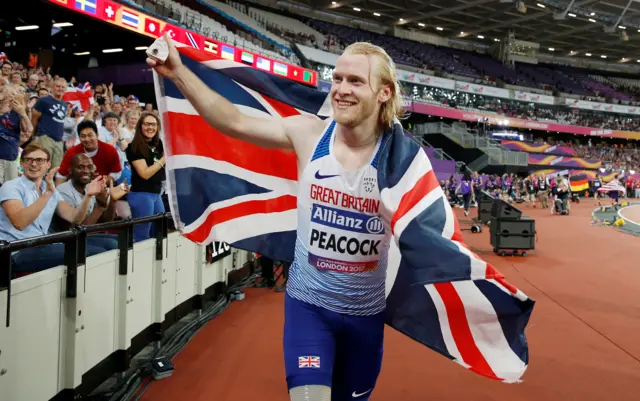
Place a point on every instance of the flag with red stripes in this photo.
(439, 292)
(80, 96)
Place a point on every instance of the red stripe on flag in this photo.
(424, 186)
(457, 234)
(461, 332)
(280, 204)
(282, 108)
(191, 135)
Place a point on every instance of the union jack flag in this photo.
(439, 292)
(308, 361)
(80, 96)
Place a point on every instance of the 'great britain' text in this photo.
(337, 198)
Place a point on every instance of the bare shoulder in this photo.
(303, 131)
(303, 126)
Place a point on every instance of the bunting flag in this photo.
(80, 96)
(439, 293)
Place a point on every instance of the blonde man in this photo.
(334, 323)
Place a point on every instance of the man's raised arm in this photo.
(218, 111)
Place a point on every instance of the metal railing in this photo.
(75, 245)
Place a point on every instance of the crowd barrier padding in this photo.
(65, 330)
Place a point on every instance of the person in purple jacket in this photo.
(477, 185)
(466, 190)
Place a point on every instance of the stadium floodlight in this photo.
(62, 24)
(112, 50)
(588, 54)
(622, 27)
(376, 14)
(551, 49)
(592, 20)
(541, 5)
(496, 40)
(356, 9)
(480, 37)
(571, 15)
(27, 27)
(82, 54)
(603, 56)
(439, 28)
(421, 24)
(142, 47)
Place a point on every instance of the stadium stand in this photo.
(293, 29)
(247, 39)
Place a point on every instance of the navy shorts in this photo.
(331, 349)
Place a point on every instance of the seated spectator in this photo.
(104, 156)
(16, 78)
(129, 128)
(127, 131)
(13, 120)
(108, 132)
(102, 207)
(43, 92)
(28, 204)
(32, 84)
(48, 118)
(7, 68)
(146, 155)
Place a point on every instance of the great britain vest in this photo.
(341, 247)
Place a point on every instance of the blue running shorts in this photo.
(326, 348)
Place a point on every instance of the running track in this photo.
(583, 333)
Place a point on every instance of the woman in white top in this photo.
(128, 128)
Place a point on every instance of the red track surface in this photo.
(584, 332)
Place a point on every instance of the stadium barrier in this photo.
(65, 330)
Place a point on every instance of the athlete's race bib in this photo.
(344, 241)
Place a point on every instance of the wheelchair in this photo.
(561, 205)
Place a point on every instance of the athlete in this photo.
(597, 183)
(335, 297)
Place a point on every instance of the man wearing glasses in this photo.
(28, 204)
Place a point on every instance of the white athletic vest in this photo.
(341, 247)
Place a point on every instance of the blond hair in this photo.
(392, 108)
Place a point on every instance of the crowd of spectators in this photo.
(616, 157)
(66, 163)
(524, 110)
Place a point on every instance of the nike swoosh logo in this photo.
(356, 395)
(322, 177)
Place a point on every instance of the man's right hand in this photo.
(172, 65)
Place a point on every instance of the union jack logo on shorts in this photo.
(308, 361)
